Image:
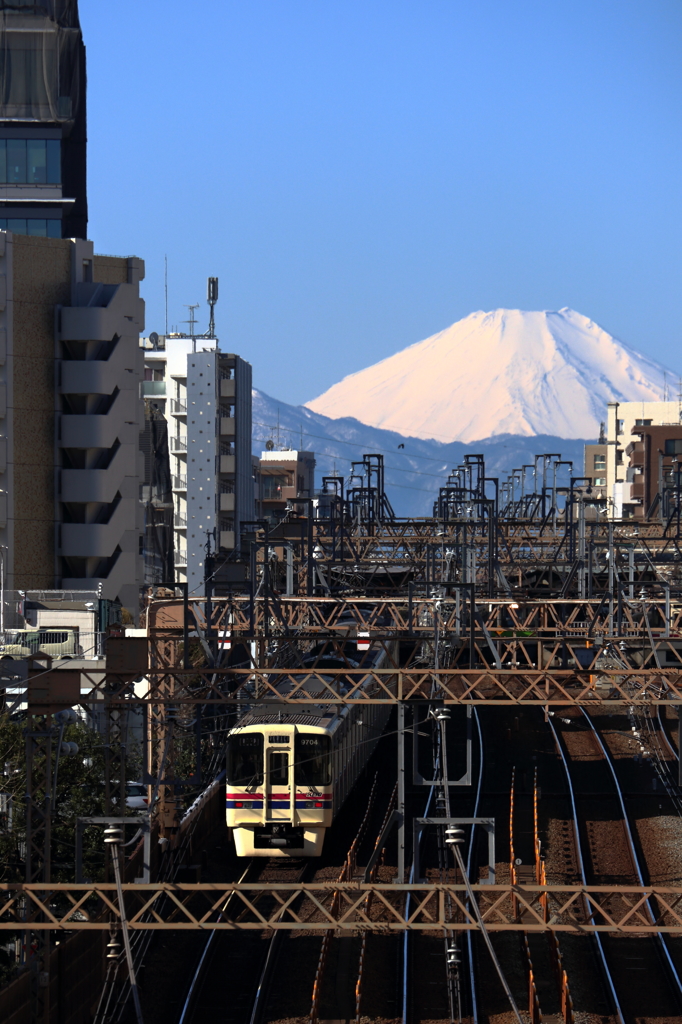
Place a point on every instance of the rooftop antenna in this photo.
(165, 281)
(192, 323)
(212, 298)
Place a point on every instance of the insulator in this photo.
(113, 835)
(454, 836)
(113, 950)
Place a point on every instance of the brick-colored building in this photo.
(653, 455)
(70, 417)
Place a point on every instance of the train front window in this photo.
(245, 759)
(313, 761)
(278, 767)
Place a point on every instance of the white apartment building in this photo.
(205, 395)
(622, 417)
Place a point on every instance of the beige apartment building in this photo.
(622, 419)
(70, 418)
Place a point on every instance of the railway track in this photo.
(606, 852)
(238, 964)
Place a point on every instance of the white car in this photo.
(136, 796)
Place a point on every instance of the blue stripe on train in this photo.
(279, 804)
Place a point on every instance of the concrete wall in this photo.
(202, 448)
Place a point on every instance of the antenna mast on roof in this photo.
(192, 323)
(212, 298)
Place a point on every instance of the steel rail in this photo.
(405, 979)
(346, 875)
(633, 852)
(581, 865)
(666, 738)
(265, 979)
(198, 973)
(659, 762)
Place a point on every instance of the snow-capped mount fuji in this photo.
(505, 372)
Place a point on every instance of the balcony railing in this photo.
(154, 388)
(179, 483)
(66, 643)
(178, 443)
(180, 557)
(179, 522)
(178, 408)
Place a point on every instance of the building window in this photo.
(600, 481)
(272, 486)
(619, 457)
(50, 228)
(600, 462)
(30, 162)
(673, 446)
(642, 423)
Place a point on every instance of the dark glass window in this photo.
(32, 226)
(272, 486)
(16, 161)
(54, 164)
(313, 760)
(30, 161)
(245, 759)
(36, 161)
(278, 768)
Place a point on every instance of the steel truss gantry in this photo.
(311, 907)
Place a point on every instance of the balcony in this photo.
(153, 389)
(179, 483)
(178, 443)
(179, 521)
(227, 388)
(227, 502)
(226, 464)
(227, 426)
(178, 408)
(180, 556)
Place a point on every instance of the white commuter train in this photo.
(290, 767)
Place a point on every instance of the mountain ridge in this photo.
(413, 473)
(505, 371)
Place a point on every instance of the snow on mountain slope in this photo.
(414, 471)
(504, 372)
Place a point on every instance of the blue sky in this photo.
(359, 175)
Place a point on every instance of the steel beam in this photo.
(276, 906)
